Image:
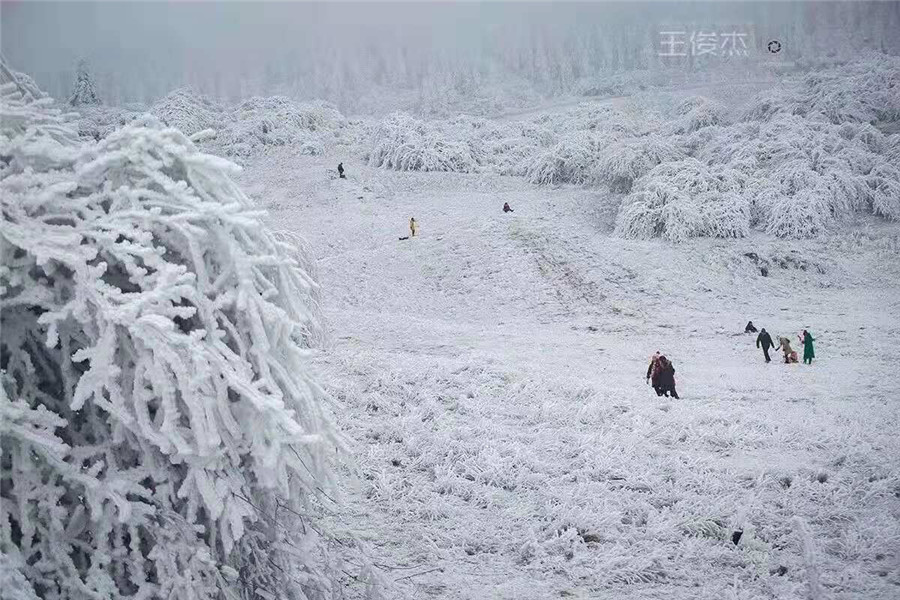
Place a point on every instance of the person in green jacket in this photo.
(808, 352)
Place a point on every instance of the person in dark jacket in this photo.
(665, 380)
(765, 340)
(749, 328)
(341, 170)
(506, 207)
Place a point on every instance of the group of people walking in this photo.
(661, 372)
(764, 341)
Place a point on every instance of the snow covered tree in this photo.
(159, 434)
(83, 92)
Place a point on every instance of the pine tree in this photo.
(83, 92)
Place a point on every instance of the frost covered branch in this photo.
(154, 355)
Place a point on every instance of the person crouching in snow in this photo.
(750, 328)
(784, 345)
(506, 207)
(666, 378)
(413, 227)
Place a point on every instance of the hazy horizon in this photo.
(139, 51)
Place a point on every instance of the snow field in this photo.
(491, 376)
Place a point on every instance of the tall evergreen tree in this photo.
(84, 91)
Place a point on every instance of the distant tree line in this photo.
(547, 48)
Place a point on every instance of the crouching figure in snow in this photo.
(750, 328)
(784, 345)
(506, 207)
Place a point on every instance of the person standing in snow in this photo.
(750, 327)
(765, 340)
(653, 370)
(506, 207)
(665, 381)
(784, 345)
(413, 227)
(341, 170)
(809, 353)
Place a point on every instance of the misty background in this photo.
(364, 57)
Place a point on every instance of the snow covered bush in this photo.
(277, 121)
(807, 174)
(160, 435)
(569, 161)
(622, 161)
(84, 92)
(404, 143)
(696, 113)
(865, 90)
(683, 199)
(187, 111)
(97, 122)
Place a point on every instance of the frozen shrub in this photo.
(806, 174)
(187, 111)
(683, 199)
(569, 161)
(697, 113)
(258, 123)
(155, 408)
(862, 91)
(768, 104)
(883, 183)
(97, 122)
(622, 161)
(403, 143)
(512, 156)
(25, 84)
(536, 134)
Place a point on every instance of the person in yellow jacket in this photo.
(413, 227)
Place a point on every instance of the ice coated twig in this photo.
(420, 573)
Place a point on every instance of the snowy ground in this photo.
(490, 377)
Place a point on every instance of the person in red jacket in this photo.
(665, 378)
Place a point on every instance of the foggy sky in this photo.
(142, 50)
